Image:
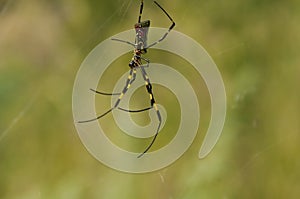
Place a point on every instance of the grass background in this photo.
(256, 47)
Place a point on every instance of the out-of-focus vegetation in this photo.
(256, 47)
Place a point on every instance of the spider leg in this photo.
(153, 104)
(123, 41)
(98, 117)
(141, 11)
(135, 111)
(169, 30)
(103, 93)
(139, 110)
(146, 60)
(130, 79)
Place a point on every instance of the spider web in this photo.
(120, 14)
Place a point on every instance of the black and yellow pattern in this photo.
(140, 48)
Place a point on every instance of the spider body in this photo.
(140, 48)
(141, 38)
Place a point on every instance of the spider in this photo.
(140, 48)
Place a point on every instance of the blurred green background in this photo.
(256, 47)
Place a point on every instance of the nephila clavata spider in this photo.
(140, 48)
